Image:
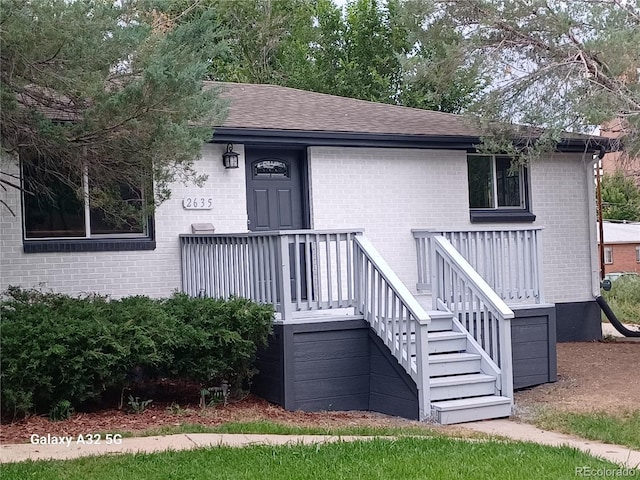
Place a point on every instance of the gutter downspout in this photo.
(597, 250)
(593, 225)
(600, 224)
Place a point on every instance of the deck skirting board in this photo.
(333, 365)
(343, 365)
(533, 345)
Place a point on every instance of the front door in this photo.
(274, 189)
(275, 199)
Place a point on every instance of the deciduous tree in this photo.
(620, 197)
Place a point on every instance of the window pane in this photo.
(123, 216)
(508, 184)
(480, 185)
(271, 169)
(56, 212)
(608, 255)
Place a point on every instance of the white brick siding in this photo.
(387, 192)
(154, 272)
(560, 200)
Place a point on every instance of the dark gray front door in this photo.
(274, 189)
(275, 199)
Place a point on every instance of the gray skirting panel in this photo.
(343, 365)
(336, 365)
(533, 337)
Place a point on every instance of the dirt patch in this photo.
(594, 376)
(591, 376)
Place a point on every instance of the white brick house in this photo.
(342, 164)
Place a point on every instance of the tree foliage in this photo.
(620, 197)
(109, 88)
(372, 49)
(564, 66)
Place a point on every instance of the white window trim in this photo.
(608, 255)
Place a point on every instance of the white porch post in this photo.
(422, 367)
(284, 273)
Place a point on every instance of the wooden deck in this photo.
(341, 311)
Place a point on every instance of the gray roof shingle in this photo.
(272, 107)
(282, 108)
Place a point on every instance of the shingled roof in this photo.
(272, 114)
(282, 108)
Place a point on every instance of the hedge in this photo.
(58, 349)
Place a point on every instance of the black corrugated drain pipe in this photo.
(614, 320)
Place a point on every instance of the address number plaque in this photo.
(197, 203)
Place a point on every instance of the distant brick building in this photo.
(621, 247)
(617, 160)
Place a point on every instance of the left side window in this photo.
(54, 212)
(57, 206)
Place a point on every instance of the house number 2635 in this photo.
(197, 203)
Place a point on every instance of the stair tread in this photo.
(453, 357)
(461, 379)
(473, 402)
(446, 335)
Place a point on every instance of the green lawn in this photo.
(267, 427)
(622, 429)
(405, 458)
(624, 299)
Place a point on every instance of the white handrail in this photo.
(508, 259)
(395, 315)
(458, 287)
(446, 248)
(292, 269)
(394, 281)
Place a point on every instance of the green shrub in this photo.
(57, 348)
(218, 339)
(61, 411)
(624, 298)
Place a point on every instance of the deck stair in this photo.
(460, 389)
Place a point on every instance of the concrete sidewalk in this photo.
(496, 428)
(185, 441)
(530, 433)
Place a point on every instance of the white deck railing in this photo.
(317, 267)
(395, 315)
(509, 260)
(458, 287)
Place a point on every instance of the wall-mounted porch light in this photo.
(230, 158)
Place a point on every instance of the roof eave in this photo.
(303, 138)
